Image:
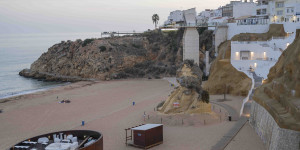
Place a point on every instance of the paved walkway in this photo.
(246, 139)
(227, 138)
(231, 111)
(234, 130)
(247, 106)
(230, 134)
(241, 121)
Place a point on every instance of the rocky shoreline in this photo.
(51, 77)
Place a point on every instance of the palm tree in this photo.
(155, 19)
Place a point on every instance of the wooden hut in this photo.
(148, 135)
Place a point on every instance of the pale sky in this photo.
(57, 16)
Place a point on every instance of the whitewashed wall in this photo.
(190, 16)
(244, 9)
(262, 67)
(264, 54)
(291, 26)
(175, 16)
(234, 29)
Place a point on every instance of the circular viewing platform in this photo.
(63, 140)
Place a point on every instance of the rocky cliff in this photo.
(223, 74)
(280, 93)
(153, 54)
(188, 97)
(275, 111)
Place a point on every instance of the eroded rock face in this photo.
(187, 98)
(280, 93)
(154, 54)
(223, 74)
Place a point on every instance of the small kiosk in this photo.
(146, 136)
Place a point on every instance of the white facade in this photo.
(284, 10)
(258, 55)
(217, 12)
(203, 17)
(175, 17)
(244, 9)
(216, 21)
(262, 8)
(208, 14)
(234, 28)
(190, 16)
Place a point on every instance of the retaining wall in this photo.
(274, 137)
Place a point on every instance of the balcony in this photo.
(262, 7)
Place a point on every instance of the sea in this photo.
(19, 51)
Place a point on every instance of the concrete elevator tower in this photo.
(190, 36)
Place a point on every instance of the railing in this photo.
(250, 42)
(254, 22)
(213, 24)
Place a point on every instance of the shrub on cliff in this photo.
(144, 65)
(160, 104)
(189, 62)
(102, 48)
(86, 42)
(137, 45)
(205, 96)
(155, 48)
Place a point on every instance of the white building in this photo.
(208, 14)
(217, 12)
(189, 16)
(175, 17)
(284, 10)
(215, 21)
(244, 9)
(258, 55)
(203, 16)
(262, 8)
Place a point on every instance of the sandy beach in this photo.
(107, 107)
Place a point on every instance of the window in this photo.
(264, 11)
(286, 19)
(279, 13)
(290, 10)
(258, 12)
(245, 55)
(280, 5)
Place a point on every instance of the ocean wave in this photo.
(12, 94)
